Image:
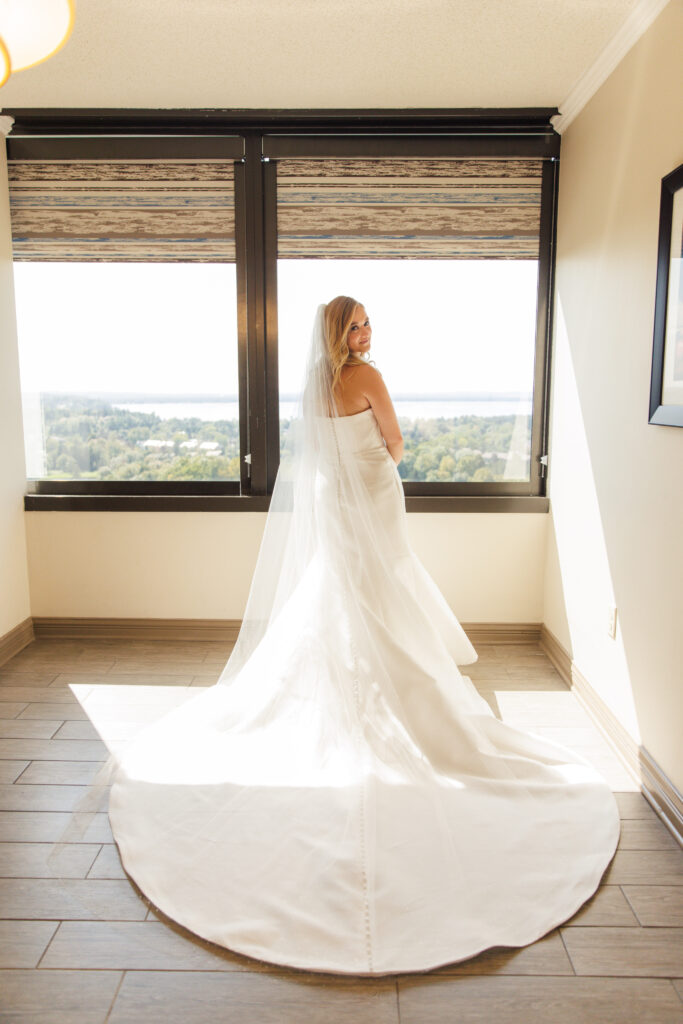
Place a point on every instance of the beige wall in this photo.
(616, 485)
(14, 594)
(199, 565)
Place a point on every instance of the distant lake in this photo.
(413, 409)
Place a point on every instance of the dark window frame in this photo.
(263, 137)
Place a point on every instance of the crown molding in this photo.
(637, 23)
(6, 123)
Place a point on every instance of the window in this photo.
(126, 309)
(444, 255)
(175, 259)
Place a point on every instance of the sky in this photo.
(438, 325)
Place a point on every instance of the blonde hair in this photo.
(338, 319)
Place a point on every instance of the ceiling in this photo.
(322, 53)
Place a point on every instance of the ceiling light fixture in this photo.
(31, 31)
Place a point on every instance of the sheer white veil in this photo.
(335, 581)
(291, 534)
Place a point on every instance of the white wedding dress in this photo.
(343, 799)
(306, 815)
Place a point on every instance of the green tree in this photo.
(66, 464)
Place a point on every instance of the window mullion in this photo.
(242, 343)
(254, 317)
(544, 313)
(271, 332)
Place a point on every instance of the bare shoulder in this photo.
(372, 382)
(358, 369)
(371, 370)
(364, 376)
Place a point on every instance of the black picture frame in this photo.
(666, 384)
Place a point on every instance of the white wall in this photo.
(14, 593)
(616, 482)
(199, 565)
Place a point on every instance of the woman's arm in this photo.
(373, 387)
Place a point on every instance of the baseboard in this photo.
(661, 793)
(14, 641)
(137, 629)
(656, 787)
(227, 629)
(503, 632)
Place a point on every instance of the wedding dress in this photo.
(343, 799)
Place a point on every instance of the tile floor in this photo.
(80, 945)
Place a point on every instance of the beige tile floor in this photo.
(80, 945)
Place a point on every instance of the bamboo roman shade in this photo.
(183, 210)
(123, 210)
(469, 208)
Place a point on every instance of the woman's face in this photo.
(360, 332)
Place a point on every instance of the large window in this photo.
(444, 256)
(163, 276)
(126, 313)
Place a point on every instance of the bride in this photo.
(343, 799)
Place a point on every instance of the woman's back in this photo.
(350, 391)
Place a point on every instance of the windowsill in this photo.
(260, 503)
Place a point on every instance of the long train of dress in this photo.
(349, 802)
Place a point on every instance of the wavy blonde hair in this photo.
(338, 319)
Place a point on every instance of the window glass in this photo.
(454, 342)
(443, 254)
(126, 314)
(128, 370)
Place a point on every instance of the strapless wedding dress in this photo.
(349, 802)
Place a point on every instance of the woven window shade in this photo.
(123, 211)
(409, 209)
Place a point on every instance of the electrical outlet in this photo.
(612, 621)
